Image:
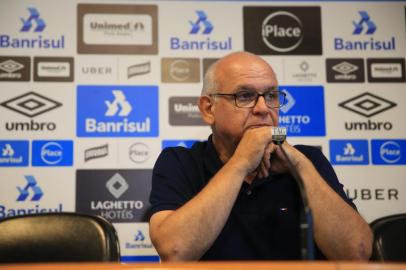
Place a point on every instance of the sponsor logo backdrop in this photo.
(88, 102)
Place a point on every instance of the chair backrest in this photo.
(58, 237)
(389, 238)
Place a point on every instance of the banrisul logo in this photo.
(364, 30)
(282, 30)
(29, 195)
(388, 152)
(33, 26)
(201, 31)
(14, 153)
(117, 111)
(303, 113)
(349, 152)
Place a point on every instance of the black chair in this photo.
(389, 238)
(58, 237)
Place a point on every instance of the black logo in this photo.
(283, 30)
(386, 69)
(53, 69)
(367, 105)
(183, 111)
(348, 70)
(31, 104)
(14, 68)
(117, 195)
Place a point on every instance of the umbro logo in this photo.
(31, 104)
(367, 104)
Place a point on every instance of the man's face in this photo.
(244, 74)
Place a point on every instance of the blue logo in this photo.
(37, 25)
(14, 153)
(201, 20)
(117, 111)
(52, 153)
(364, 20)
(31, 185)
(174, 143)
(303, 113)
(34, 16)
(139, 236)
(201, 42)
(388, 152)
(349, 152)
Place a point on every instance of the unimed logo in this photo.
(117, 111)
(303, 113)
(282, 30)
(117, 195)
(117, 29)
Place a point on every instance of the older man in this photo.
(232, 197)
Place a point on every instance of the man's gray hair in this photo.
(209, 81)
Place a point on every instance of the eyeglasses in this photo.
(248, 99)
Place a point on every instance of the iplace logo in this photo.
(180, 70)
(117, 195)
(282, 30)
(388, 152)
(117, 29)
(52, 153)
(367, 105)
(15, 68)
(345, 70)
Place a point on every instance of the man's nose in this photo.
(261, 106)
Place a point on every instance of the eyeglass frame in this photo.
(256, 99)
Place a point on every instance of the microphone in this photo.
(306, 219)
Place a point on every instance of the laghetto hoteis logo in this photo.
(29, 192)
(282, 30)
(201, 36)
(117, 111)
(52, 153)
(30, 105)
(364, 30)
(367, 105)
(117, 195)
(349, 152)
(303, 113)
(14, 153)
(388, 152)
(117, 29)
(32, 28)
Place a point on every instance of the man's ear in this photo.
(206, 109)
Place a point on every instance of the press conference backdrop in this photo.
(92, 91)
